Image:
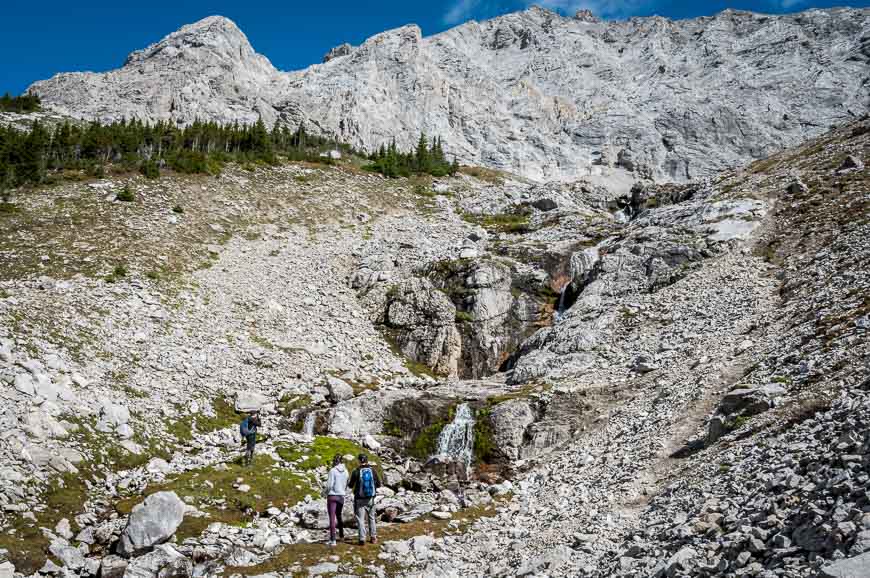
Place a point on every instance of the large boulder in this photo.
(163, 562)
(339, 390)
(114, 418)
(510, 421)
(152, 522)
(248, 401)
(40, 425)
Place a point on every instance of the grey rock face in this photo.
(510, 420)
(648, 97)
(856, 567)
(163, 562)
(152, 522)
(423, 319)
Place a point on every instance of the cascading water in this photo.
(456, 440)
(560, 310)
(308, 425)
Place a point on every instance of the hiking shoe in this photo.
(374, 540)
(361, 543)
(332, 542)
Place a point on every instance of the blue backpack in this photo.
(367, 482)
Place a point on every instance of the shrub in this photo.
(126, 195)
(119, 272)
(150, 169)
(178, 209)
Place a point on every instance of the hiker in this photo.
(248, 429)
(365, 483)
(336, 488)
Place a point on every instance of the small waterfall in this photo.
(308, 425)
(560, 310)
(456, 440)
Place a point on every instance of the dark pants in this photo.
(334, 505)
(249, 448)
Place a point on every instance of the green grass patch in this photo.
(320, 452)
(24, 541)
(214, 490)
(291, 403)
(515, 223)
(184, 427)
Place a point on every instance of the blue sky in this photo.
(38, 39)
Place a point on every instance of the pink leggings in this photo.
(334, 505)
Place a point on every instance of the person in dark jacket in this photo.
(365, 483)
(248, 429)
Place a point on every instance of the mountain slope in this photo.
(544, 96)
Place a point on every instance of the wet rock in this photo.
(510, 421)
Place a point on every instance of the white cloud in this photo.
(460, 11)
(603, 8)
(788, 4)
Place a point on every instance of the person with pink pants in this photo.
(336, 488)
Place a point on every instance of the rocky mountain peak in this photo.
(214, 37)
(532, 92)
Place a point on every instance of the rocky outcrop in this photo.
(152, 522)
(496, 308)
(636, 99)
(422, 321)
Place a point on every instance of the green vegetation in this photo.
(739, 422)
(425, 442)
(225, 415)
(464, 317)
(290, 403)
(414, 366)
(126, 195)
(484, 443)
(320, 452)
(25, 543)
(150, 169)
(426, 159)
(20, 104)
(215, 490)
(517, 223)
(118, 273)
(31, 157)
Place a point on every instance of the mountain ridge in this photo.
(532, 92)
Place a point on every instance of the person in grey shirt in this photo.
(336, 488)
